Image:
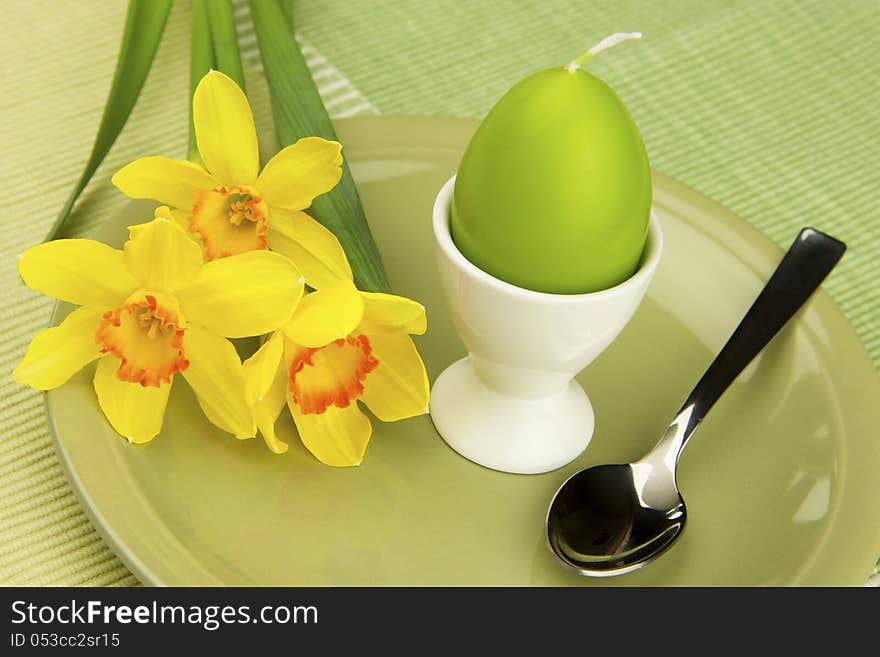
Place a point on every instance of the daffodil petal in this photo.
(266, 411)
(216, 376)
(162, 256)
(260, 369)
(398, 387)
(300, 172)
(175, 215)
(388, 313)
(56, 354)
(246, 294)
(314, 249)
(225, 132)
(179, 217)
(133, 410)
(172, 182)
(83, 272)
(338, 436)
(316, 273)
(326, 315)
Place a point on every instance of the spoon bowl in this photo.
(613, 519)
(599, 525)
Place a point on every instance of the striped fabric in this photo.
(768, 106)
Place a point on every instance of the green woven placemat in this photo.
(768, 107)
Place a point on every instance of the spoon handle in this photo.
(809, 260)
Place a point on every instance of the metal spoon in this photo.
(613, 519)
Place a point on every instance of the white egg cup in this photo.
(512, 404)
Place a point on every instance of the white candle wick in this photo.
(604, 44)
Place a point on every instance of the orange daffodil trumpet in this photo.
(341, 346)
(150, 311)
(232, 207)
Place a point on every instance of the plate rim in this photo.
(670, 189)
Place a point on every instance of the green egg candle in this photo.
(553, 193)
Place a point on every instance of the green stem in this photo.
(287, 10)
(201, 61)
(225, 39)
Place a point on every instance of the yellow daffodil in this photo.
(229, 204)
(149, 311)
(339, 347)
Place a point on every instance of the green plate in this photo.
(780, 481)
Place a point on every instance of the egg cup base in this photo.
(510, 434)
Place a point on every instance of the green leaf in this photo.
(225, 40)
(287, 10)
(201, 61)
(299, 112)
(214, 45)
(144, 24)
